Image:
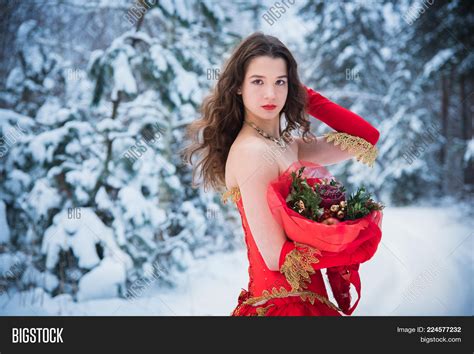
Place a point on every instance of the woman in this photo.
(244, 148)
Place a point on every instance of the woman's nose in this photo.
(269, 92)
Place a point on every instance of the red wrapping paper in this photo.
(345, 236)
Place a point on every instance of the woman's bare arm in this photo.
(321, 152)
(253, 177)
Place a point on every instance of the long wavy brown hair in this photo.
(222, 112)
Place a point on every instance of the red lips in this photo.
(269, 107)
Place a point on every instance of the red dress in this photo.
(269, 293)
(298, 289)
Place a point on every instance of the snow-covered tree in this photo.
(388, 60)
(346, 59)
(95, 186)
(37, 75)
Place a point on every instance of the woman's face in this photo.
(265, 84)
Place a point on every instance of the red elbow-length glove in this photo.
(359, 136)
(352, 131)
(297, 260)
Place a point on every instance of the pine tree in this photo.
(96, 186)
(345, 59)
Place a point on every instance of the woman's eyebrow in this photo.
(262, 77)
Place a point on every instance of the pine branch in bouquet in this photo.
(325, 201)
(361, 204)
(302, 197)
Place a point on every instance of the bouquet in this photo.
(324, 200)
(312, 207)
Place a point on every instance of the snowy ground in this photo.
(424, 266)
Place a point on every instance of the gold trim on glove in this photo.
(363, 151)
(297, 267)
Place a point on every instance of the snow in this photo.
(15, 78)
(46, 280)
(102, 199)
(182, 258)
(43, 145)
(469, 154)
(4, 228)
(9, 118)
(73, 148)
(195, 220)
(10, 264)
(158, 55)
(34, 59)
(167, 5)
(18, 181)
(392, 20)
(123, 77)
(80, 230)
(386, 53)
(422, 268)
(173, 182)
(42, 198)
(186, 81)
(346, 54)
(52, 113)
(24, 31)
(438, 61)
(138, 210)
(216, 10)
(108, 124)
(141, 36)
(95, 55)
(103, 281)
(180, 8)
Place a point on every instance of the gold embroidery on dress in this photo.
(298, 268)
(262, 311)
(266, 295)
(361, 148)
(282, 293)
(234, 192)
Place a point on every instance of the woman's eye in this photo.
(260, 82)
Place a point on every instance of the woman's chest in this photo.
(284, 156)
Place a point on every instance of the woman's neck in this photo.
(269, 126)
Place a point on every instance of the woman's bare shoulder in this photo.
(242, 147)
(246, 142)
